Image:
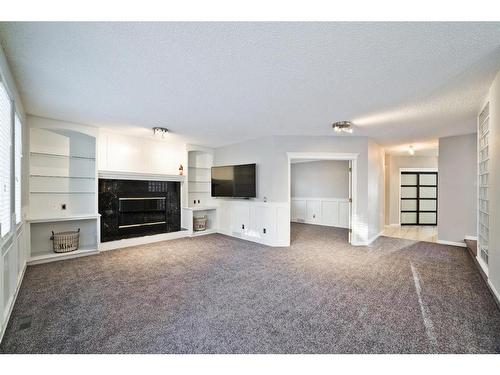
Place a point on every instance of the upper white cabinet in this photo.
(321, 211)
(122, 153)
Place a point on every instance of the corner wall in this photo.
(457, 188)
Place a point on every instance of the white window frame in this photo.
(6, 186)
(18, 155)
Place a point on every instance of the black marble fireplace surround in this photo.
(135, 208)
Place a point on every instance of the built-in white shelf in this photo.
(51, 257)
(62, 192)
(43, 154)
(200, 208)
(204, 232)
(75, 177)
(50, 219)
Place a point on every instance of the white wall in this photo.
(457, 187)
(320, 179)
(376, 189)
(270, 155)
(393, 164)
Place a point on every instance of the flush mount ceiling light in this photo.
(342, 126)
(160, 132)
(411, 150)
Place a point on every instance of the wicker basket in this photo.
(66, 241)
(200, 223)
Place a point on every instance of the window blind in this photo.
(5, 160)
(18, 136)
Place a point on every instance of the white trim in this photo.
(451, 243)
(495, 292)
(353, 157)
(12, 301)
(481, 263)
(471, 238)
(129, 242)
(369, 242)
(399, 186)
(320, 199)
(392, 225)
(119, 175)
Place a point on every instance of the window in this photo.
(5, 160)
(18, 136)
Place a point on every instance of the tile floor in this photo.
(412, 232)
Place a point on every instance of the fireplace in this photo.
(135, 208)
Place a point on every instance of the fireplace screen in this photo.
(131, 208)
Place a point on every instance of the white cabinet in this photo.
(240, 219)
(313, 211)
(266, 223)
(262, 223)
(332, 212)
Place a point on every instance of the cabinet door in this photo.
(224, 218)
(262, 223)
(240, 217)
(313, 211)
(299, 210)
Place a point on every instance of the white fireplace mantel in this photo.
(119, 175)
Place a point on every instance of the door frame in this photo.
(399, 186)
(355, 237)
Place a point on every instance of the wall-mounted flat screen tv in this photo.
(234, 181)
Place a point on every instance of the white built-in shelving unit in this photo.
(200, 201)
(483, 186)
(62, 191)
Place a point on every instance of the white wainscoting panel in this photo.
(333, 212)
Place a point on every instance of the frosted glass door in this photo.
(418, 198)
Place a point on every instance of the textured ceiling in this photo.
(220, 83)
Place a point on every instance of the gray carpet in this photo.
(217, 294)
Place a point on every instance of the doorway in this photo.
(335, 212)
(418, 198)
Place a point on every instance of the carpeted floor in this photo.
(216, 294)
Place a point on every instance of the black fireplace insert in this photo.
(135, 208)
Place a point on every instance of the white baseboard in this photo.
(451, 243)
(12, 301)
(368, 241)
(393, 225)
(128, 242)
(472, 238)
(495, 292)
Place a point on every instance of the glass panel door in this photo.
(419, 198)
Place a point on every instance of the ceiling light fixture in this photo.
(160, 132)
(342, 126)
(411, 150)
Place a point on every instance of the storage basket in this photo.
(65, 241)
(200, 223)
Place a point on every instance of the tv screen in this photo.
(235, 181)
